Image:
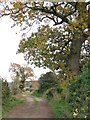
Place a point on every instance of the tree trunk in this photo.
(74, 56)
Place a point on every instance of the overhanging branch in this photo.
(53, 12)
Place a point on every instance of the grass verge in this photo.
(61, 108)
(8, 106)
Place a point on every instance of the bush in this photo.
(37, 93)
(5, 91)
(49, 93)
(46, 81)
(53, 92)
(14, 91)
(79, 93)
(8, 101)
(59, 89)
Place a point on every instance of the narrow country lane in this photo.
(31, 110)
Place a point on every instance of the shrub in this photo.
(14, 91)
(37, 94)
(6, 93)
(53, 92)
(59, 89)
(79, 93)
(5, 90)
(49, 93)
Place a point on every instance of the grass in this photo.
(61, 108)
(35, 101)
(10, 105)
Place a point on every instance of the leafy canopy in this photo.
(52, 46)
(47, 81)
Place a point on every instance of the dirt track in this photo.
(31, 110)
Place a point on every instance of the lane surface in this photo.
(31, 110)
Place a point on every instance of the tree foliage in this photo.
(21, 73)
(47, 81)
(52, 46)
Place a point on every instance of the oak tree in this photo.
(53, 46)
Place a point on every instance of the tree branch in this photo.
(44, 9)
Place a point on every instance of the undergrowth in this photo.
(9, 105)
(61, 108)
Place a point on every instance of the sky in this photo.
(9, 42)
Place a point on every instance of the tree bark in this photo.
(74, 56)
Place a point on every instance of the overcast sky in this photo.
(9, 42)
